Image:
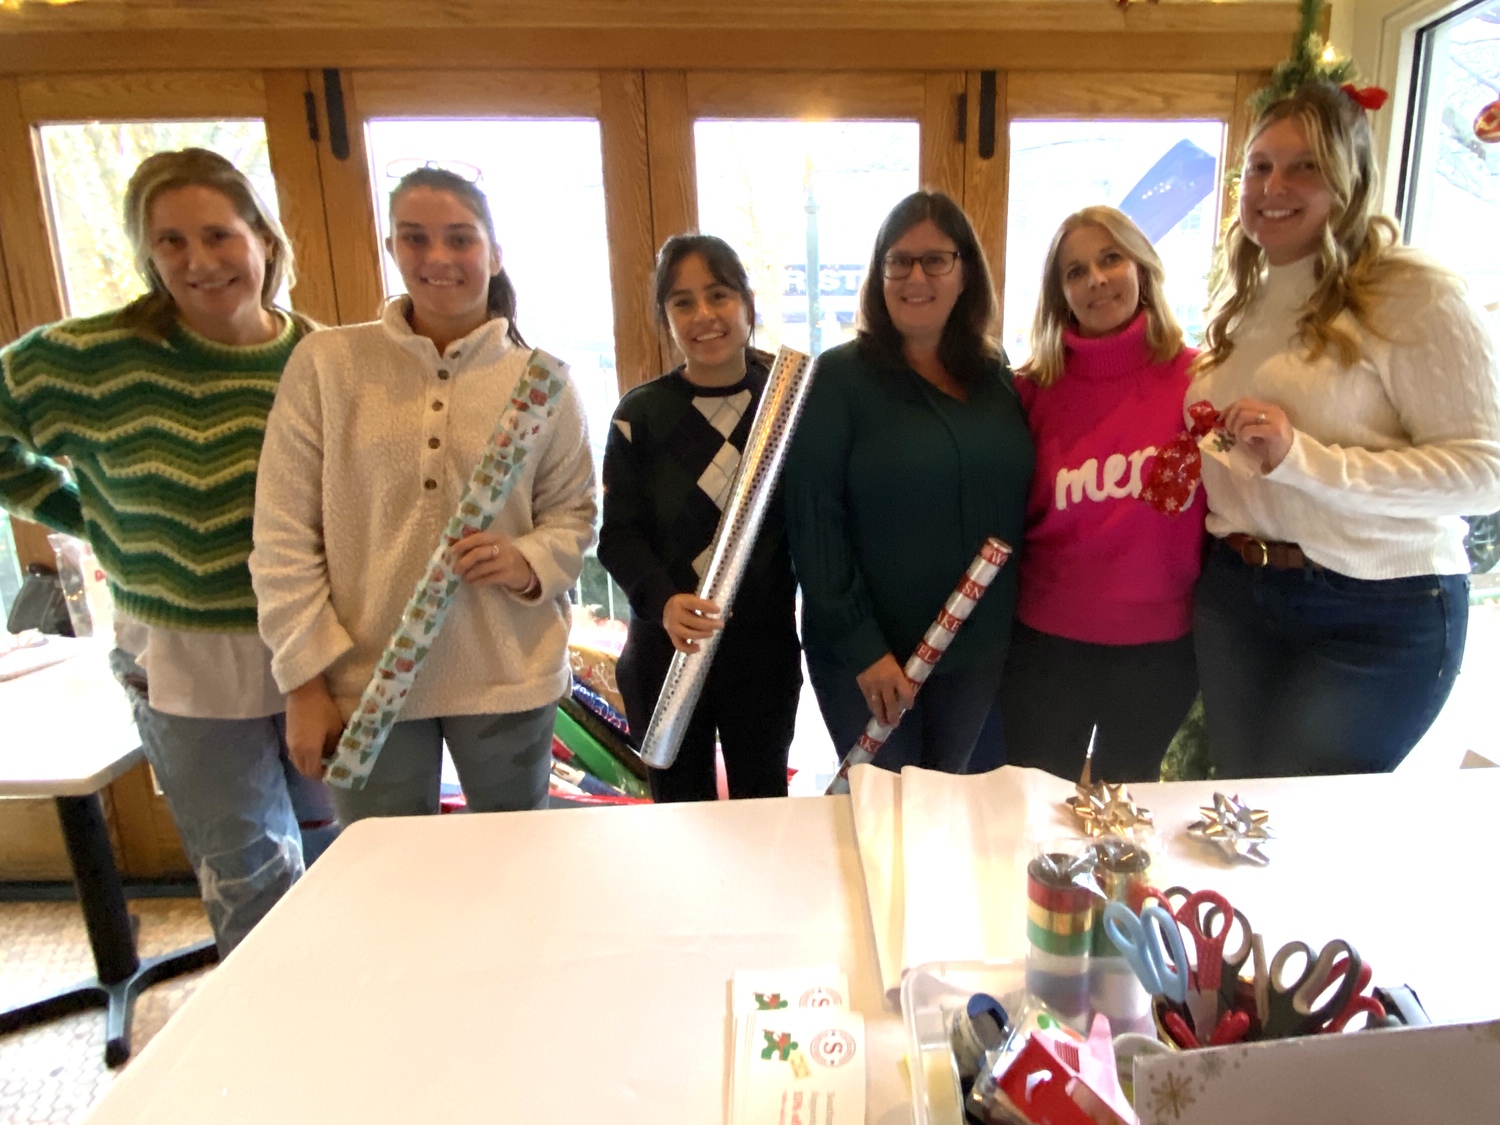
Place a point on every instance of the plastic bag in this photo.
(90, 607)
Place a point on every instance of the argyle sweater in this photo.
(163, 438)
(670, 463)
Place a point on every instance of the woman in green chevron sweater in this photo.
(160, 409)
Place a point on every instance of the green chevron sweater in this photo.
(163, 438)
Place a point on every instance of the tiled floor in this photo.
(53, 1073)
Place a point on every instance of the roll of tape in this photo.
(1116, 990)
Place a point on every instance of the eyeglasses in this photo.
(934, 263)
(405, 165)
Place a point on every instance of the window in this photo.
(801, 199)
(1163, 174)
(87, 167)
(1451, 191)
(10, 569)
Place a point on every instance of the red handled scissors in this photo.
(1373, 1009)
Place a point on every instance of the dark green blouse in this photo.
(891, 487)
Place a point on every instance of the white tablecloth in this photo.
(571, 965)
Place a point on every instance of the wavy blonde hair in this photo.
(154, 311)
(1053, 317)
(1359, 250)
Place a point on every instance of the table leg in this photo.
(122, 974)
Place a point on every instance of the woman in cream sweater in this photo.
(369, 449)
(1361, 394)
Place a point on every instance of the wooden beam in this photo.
(627, 219)
(30, 257)
(476, 93)
(139, 95)
(987, 181)
(942, 160)
(1126, 96)
(806, 95)
(1062, 45)
(673, 164)
(353, 233)
(299, 191)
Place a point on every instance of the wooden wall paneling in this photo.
(9, 327)
(349, 208)
(477, 93)
(299, 191)
(806, 95)
(1122, 95)
(143, 94)
(148, 844)
(986, 181)
(942, 159)
(627, 219)
(673, 167)
(30, 257)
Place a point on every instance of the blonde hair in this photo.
(1053, 317)
(1358, 250)
(154, 311)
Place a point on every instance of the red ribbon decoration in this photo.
(1371, 97)
(1178, 465)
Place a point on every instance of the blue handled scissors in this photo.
(1152, 945)
(1294, 1007)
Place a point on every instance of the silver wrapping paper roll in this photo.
(760, 466)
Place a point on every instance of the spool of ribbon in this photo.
(765, 451)
(935, 642)
(1178, 466)
(533, 404)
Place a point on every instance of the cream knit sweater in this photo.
(368, 451)
(1387, 454)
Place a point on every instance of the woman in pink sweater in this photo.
(1103, 645)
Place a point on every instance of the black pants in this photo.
(1056, 691)
(749, 701)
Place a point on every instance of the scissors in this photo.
(1373, 1009)
(1197, 914)
(1152, 946)
(1248, 949)
(1294, 1007)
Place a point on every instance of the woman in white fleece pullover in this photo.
(1363, 396)
(369, 447)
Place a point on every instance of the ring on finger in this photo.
(1261, 417)
(495, 547)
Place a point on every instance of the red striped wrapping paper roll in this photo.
(976, 580)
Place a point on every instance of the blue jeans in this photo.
(237, 800)
(1312, 672)
(503, 763)
(936, 734)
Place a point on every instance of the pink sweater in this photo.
(1099, 564)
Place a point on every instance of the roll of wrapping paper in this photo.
(765, 451)
(532, 405)
(976, 580)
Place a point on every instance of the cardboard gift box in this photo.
(1448, 1073)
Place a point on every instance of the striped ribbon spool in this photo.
(1122, 873)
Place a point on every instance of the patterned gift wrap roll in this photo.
(760, 466)
(976, 580)
(1060, 930)
(533, 404)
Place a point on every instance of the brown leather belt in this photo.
(1261, 553)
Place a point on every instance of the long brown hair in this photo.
(965, 346)
(501, 300)
(1359, 249)
(1163, 333)
(154, 312)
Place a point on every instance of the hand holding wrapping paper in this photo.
(760, 464)
(1178, 466)
(939, 635)
(533, 404)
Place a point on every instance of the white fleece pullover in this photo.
(368, 451)
(1387, 454)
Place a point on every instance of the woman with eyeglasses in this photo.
(669, 469)
(160, 409)
(371, 443)
(912, 450)
(1103, 645)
